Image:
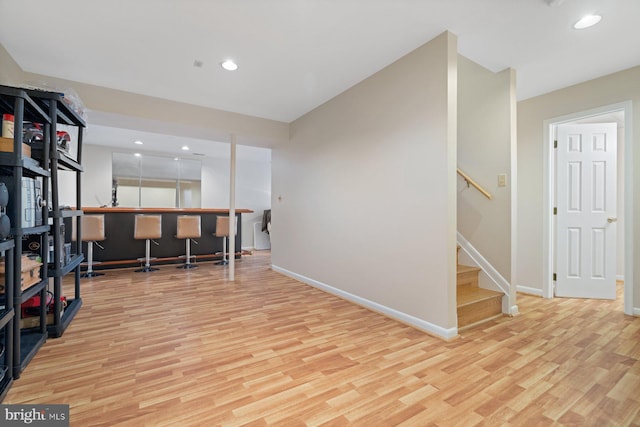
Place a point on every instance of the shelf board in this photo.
(66, 269)
(33, 290)
(31, 230)
(33, 166)
(73, 306)
(30, 342)
(30, 166)
(5, 385)
(66, 115)
(66, 213)
(67, 163)
(32, 111)
(7, 244)
(5, 317)
(6, 380)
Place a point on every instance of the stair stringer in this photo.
(489, 277)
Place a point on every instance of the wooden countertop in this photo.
(90, 210)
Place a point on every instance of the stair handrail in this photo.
(477, 186)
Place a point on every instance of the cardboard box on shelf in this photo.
(34, 321)
(30, 311)
(30, 274)
(6, 145)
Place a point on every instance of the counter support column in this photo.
(232, 211)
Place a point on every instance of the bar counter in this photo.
(122, 250)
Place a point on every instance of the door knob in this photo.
(610, 220)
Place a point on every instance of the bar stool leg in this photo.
(90, 272)
(187, 263)
(147, 259)
(224, 260)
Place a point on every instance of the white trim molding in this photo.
(415, 322)
(548, 239)
(530, 291)
(496, 279)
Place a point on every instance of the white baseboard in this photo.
(620, 277)
(528, 290)
(636, 311)
(423, 325)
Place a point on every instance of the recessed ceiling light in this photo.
(137, 142)
(137, 154)
(229, 65)
(185, 148)
(587, 21)
(197, 63)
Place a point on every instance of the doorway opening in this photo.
(624, 206)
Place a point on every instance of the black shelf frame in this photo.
(30, 342)
(26, 343)
(66, 317)
(7, 315)
(61, 113)
(76, 260)
(33, 290)
(49, 109)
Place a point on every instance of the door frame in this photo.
(548, 189)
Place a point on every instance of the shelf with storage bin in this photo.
(16, 168)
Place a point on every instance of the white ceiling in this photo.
(296, 54)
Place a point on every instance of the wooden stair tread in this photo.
(461, 268)
(470, 295)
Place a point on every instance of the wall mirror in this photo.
(150, 181)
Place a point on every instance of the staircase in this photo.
(475, 304)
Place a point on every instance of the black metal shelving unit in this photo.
(61, 113)
(6, 320)
(14, 166)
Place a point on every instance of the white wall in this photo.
(364, 192)
(253, 187)
(612, 89)
(484, 151)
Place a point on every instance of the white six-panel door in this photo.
(586, 211)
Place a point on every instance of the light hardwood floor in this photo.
(189, 348)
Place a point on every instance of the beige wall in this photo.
(364, 191)
(174, 117)
(10, 72)
(484, 151)
(612, 89)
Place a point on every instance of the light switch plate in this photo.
(502, 180)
